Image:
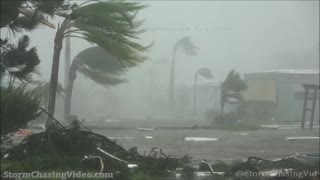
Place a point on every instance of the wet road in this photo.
(266, 143)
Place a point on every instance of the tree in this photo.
(18, 107)
(231, 89)
(189, 49)
(111, 25)
(19, 15)
(96, 64)
(17, 61)
(206, 73)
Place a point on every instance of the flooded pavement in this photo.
(266, 143)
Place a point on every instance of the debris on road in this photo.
(197, 139)
(145, 129)
(303, 138)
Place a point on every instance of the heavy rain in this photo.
(154, 90)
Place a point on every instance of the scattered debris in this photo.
(272, 126)
(110, 155)
(199, 139)
(90, 158)
(127, 138)
(303, 138)
(145, 129)
(23, 133)
(132, 166)
(5, 156)
(111, 121)
(308, 158)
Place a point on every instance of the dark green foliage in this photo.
(18, 107)
(19, 15)
(65, 142)
(100, 66)
(19, 57)
(73, 143)
(234, 83)
(97, 58)
(111, 25)
(35, 12)
(44, 163)
(9, 11)
(231, 89)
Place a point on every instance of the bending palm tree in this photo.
(111, 25)
(231, 88)
(188, 47)
(95, 63)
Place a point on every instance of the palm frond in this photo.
(187, 46)
(19, 59)
(102, 78)
(112, 25)
(205, 72)
(100, 66)
(96, 58)
(233, 82)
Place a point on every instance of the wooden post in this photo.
(315, 91)
(314, 97)
(304, 106)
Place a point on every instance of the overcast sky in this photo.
(245, 35)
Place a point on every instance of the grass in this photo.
(63, 164)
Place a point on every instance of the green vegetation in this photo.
(96, 64)
(18, 16)
(18, 107)
(18, 61)
(188, 48)
(231, 89)
(112, 25)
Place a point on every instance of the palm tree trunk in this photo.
(67, 61)
(222, 107)
(172, 78)
(67, 101)
(54, 75)
(195, 96)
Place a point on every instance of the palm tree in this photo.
(111, 25)
(18, 16)
(96, 64)
(206, 73)
(18, 61)
(189, 49)
(231, 89)
(21, 15)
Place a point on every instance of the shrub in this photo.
(18, 107)
(211, 114)
(227, 118)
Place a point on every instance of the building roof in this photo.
(303, 76)
(288, 71)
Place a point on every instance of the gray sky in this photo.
(244, 35)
